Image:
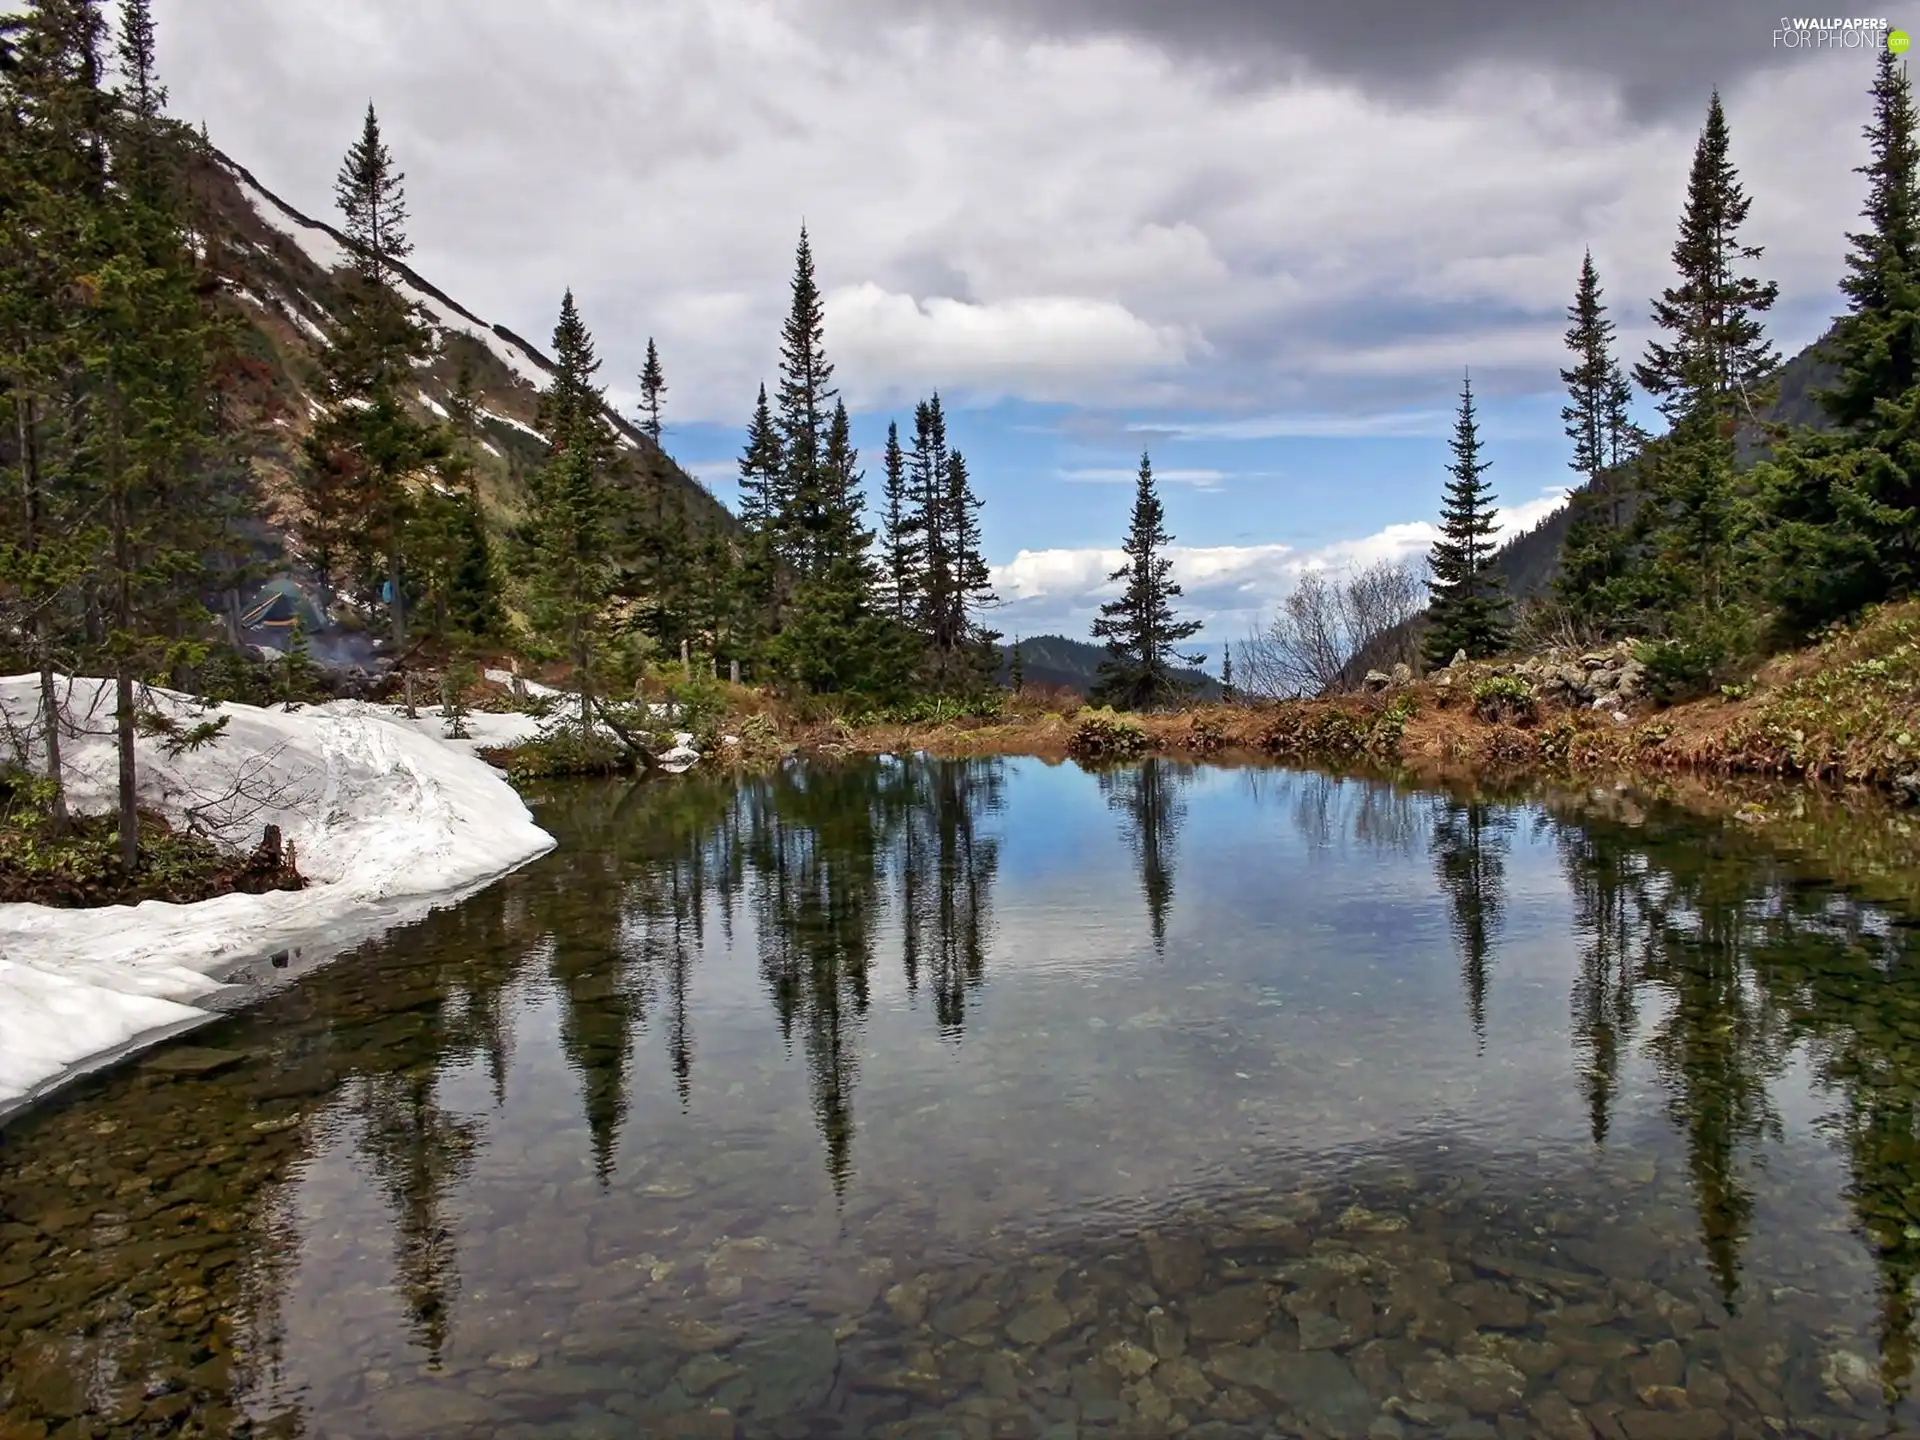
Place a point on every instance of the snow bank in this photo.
(390, 820)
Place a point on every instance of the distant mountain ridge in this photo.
(1075, 665)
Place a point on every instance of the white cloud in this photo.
(1231, 587)
(1002, 216)
(1277, 427)
(1039, 347)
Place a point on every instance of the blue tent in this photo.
(278, 605)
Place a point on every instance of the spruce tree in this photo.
(1468, 606)
(1597, 421)
(147, 333)
(1590, 380)
(1876, 344)
(927, 520)
(1708, 378)
(367, 446)
(572, 573)
(964, 648)
(899, 552)
(1140, 627)
(52, 194)
(1718, 355)
(1226, 674)
(1016, 668)
(834, 641)
(653, 384)
(802, 406)
(1844, 506)
(762, 501)
(474, 588)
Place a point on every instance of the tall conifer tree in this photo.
(834, 640)
(965, 648)
(899, 552)
(1845, 506)
(653, 384)
(367, 448)
(1709, 376)
(572, 576)
(1468, 606)
(762, 502)
(148, 332)
(927, 484)
(52, 194)
(1594, 552)
(803, 409)
(1140, 626)
(1717, 356)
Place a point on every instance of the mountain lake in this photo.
(1002, 1098)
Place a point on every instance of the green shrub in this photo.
(1678, 669)
(1390, 727)
(1504, 697)
(937, 710)
(567, 752)
(699, 704)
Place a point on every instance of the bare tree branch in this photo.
(1329, 619)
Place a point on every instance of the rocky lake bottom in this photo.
(999, 1098)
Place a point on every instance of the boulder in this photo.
(1403, 673)
(1376, 680)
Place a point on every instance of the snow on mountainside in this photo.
(328, 249)
(279, 270)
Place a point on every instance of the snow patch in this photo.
(532, 687)
(519, 425)
(316, 244)
(432, 404)
(517, 361)
(313, 331)
(390, 820)
(329, 254)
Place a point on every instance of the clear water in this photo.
(1000, 1099)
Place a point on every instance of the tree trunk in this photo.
(27, 427)
(233, 616)
(577, 642)
(123, 674)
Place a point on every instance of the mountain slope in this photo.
(277, 272)
(1075, 665)
(1531, 561)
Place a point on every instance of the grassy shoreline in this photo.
(1844, 713)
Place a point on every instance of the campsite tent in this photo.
(271, 614)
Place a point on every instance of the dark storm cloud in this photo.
(1660, 53)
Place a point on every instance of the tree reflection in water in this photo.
(1148, 798)
(1702, 962)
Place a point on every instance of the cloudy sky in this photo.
(1261, 238)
